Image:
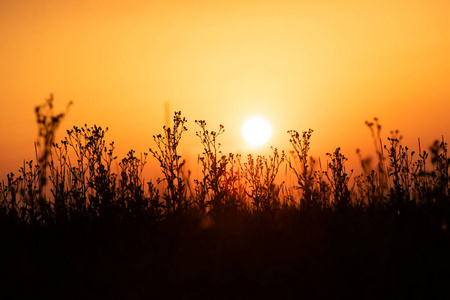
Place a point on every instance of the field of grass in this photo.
(72, 227)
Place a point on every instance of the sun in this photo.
(256, 131)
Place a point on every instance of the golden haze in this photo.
(325, 65)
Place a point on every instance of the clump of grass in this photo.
(441, 162)
(311, 183)
(339, 180)
(93, 180)
(400, 171)
(10, 205)
(220, 189)
(131, 190)
(84, 184)
(212, 188)
(260, 175)
(380, 175)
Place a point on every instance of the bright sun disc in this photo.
(256, 131)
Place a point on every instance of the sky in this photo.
(325, 65)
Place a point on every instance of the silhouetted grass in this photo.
(74, 227)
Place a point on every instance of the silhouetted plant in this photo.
(260, 176)
(132, 198)
(339, 179)
(47, 123)
(400, 171)
(29, 188)
(234, 188)
(93, 169)
(171, 165)
(322, 189)
(10, 204)
(367, 190)
(58, 168)
(441, 162)
(304, 173)
(214, 168)
(380, 175)
(84, 185)
(420, 177)
(81, 172)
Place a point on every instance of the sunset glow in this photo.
(326, 65)
(224, 149)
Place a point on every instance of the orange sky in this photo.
(325, 65)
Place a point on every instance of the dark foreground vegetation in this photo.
(73, 227)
